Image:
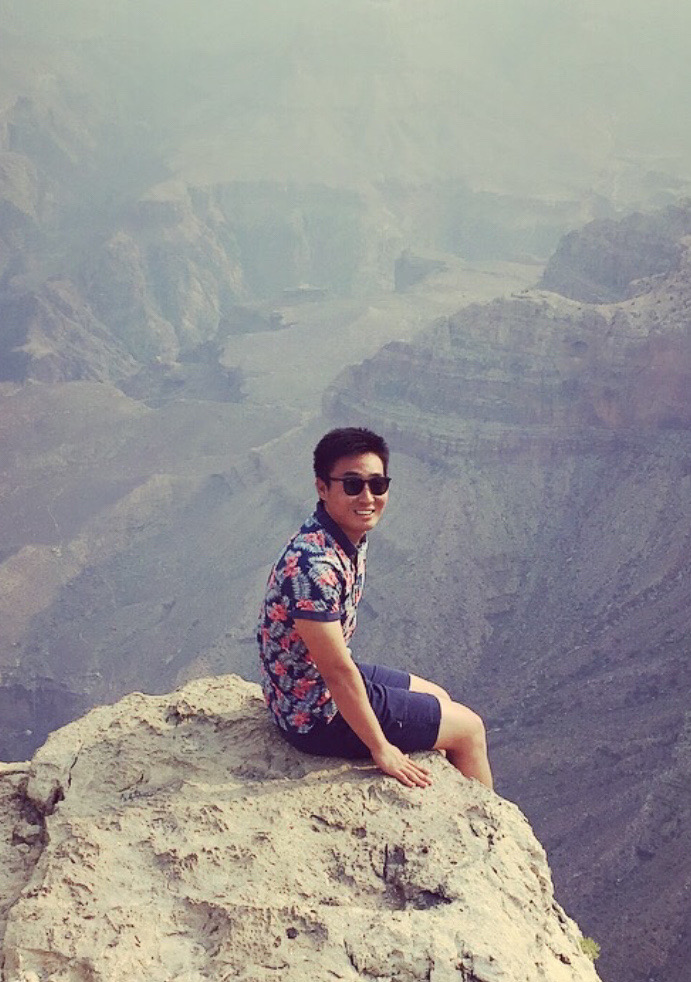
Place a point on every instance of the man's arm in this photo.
(328, 650)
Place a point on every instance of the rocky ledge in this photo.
(177, 837)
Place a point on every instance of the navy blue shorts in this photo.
(409, 720)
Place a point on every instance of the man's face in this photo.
(356, 515)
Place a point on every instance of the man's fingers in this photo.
(418, 768)
(416, 775)
(415, 765)
(399, 765)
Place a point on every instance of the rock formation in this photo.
(409, 269)
(178, 837)
(546, 372)
(613, 260)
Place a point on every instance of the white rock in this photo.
(187, 841)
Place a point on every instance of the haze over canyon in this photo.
(466, 226)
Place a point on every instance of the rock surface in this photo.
(177, 837)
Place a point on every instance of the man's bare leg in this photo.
(418, 684)
(461, 733)
(462, 736)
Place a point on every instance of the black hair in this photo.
(346, 442)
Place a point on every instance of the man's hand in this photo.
(393, 761)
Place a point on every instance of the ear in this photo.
(321, 487)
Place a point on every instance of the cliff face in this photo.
(180, 837)
(612, 260)
(540, 372)
(52, 335)
(150, 286)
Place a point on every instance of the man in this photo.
(322, 701)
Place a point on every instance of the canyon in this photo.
(534, 557)
(190, 294)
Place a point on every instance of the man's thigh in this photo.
(410, 720)
(418, 684)
(398, 679)
(407, 706)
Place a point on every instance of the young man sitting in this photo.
(321, 699)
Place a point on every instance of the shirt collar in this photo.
(337, 533)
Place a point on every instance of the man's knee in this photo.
(459, 724)
(441, 694)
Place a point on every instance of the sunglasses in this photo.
(353, 486)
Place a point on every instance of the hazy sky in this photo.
(529, 96)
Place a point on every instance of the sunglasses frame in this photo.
(362, 481)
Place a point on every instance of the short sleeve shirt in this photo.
(319, 576)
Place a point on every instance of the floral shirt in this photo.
(319, 576)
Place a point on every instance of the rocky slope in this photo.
(111, 511)
(180, 837)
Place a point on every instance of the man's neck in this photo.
(342, 537)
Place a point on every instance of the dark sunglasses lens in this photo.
(353, 485)
(379, 485)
